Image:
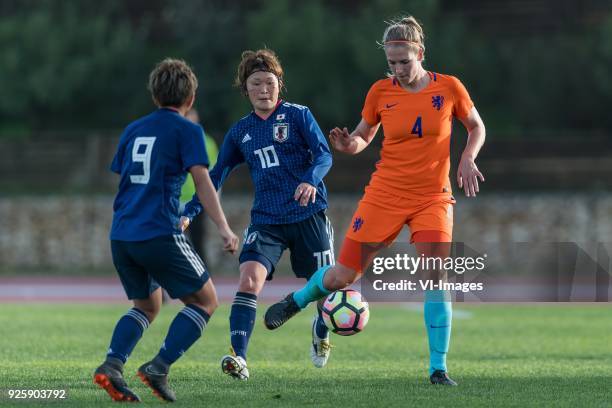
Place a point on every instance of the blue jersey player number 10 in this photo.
(287, 156)
(267, 156)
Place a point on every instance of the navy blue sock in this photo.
(127, 332)
(320, 328)
(184, 330)
(242, 320)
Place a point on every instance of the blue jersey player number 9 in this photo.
(143, 157)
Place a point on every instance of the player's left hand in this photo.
(184, 223)
(305, 193)
(468, 175)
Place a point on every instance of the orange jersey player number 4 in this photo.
(415, 156)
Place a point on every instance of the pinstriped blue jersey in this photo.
(282, 151)
(153, 157)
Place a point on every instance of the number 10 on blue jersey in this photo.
(267, 157)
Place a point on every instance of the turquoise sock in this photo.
(313, 290)
(438, 316)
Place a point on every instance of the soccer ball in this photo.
(345, 312)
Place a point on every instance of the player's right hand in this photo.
(340, 139)
(230, 240)
(184, 223)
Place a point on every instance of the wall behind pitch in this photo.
(69, 234)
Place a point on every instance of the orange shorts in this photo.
(380, 217)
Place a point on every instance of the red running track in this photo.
(109, 290)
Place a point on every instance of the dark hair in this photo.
(261, 60)
(172, 83)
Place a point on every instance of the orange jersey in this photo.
(415, 156)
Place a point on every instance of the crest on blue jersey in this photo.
(251, 238)
(280, 132)
(437, 101)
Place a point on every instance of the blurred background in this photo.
(74, 73)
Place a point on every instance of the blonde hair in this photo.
(253, 61)
(404, 30)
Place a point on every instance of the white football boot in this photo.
(320, 348)
(235, 366)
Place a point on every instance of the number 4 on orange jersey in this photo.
(417, 129)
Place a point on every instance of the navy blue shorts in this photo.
(311, 243)
(168, 261)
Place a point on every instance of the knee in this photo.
(211, 305)
(250, 284)
(436, 275)
(205, 301)
(208, 305)
(150, 311)
(251, 281)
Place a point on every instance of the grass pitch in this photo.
(501, 355)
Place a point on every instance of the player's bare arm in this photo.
(210, 201)
(355, 142)
(468, 173)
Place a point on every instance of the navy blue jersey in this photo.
(153, 157)
(282, 151)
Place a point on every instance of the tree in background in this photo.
(79, 64)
